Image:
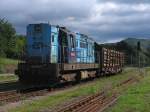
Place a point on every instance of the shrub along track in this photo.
(100, 101)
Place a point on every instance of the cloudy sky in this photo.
(104, 20)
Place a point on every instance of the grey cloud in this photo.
(125, 1)
(23, 12)
(105, 21)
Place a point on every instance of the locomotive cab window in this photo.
(76, 43)
(82, 45)
(38, 28)
(63, 38)
(52, 38)
(72, 41)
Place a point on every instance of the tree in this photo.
(7, 34)
(11, 44)
(19, 45)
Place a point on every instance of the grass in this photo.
(7, 77)
(79, 90)
(136, 98)
(147, 70)
(6, 61)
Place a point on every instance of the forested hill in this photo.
(145, 43)
(129, 47)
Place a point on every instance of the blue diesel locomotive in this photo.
(55, 54)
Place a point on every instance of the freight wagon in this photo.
(55, 54)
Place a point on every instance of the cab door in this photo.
(72, 51)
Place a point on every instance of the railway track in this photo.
(21, 94)
(13, 96)
(92, 101)
(8, 96)
(97, 102)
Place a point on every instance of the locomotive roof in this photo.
(66, 30)
(85, 36)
